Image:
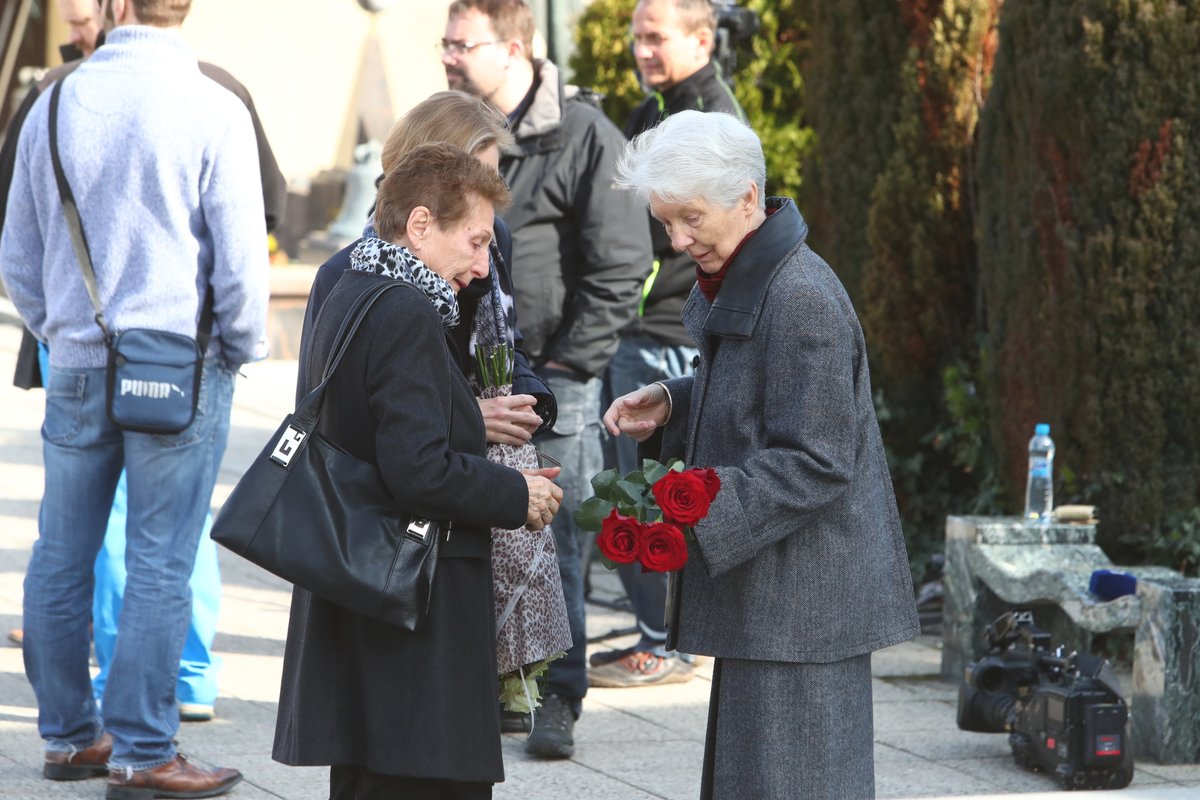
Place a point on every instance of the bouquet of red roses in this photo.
(647, 515)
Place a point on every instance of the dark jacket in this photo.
(668, 286)
(28, 375)
(801, 557)
(581, 247)
(525, 380)
(356, 691)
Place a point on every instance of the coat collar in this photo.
(735, 311)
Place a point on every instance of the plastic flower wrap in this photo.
(531, 614)
(646, 516)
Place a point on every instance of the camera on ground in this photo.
(1064, 713)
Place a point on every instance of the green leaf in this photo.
(604, 485)
(630, 492)
(653, 470)
(591, 513)
(636, 477)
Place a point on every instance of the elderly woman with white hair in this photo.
(799, 571)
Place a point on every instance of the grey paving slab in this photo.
(632, 744)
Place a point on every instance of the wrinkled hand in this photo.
(510, 420)
(544, 497)
(638, 413)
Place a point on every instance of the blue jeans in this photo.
(575, 442)
(170, 486)
(199, 666)
(641, 360)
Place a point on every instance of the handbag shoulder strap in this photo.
(309, 409)
(71, 212)
(79, 238)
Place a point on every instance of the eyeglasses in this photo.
(458, 48)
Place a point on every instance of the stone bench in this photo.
(996, 563)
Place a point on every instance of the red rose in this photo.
(682, 496)
(663, 548)
(712, 482)
(619, 538)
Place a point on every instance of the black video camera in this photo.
(735, 25)
(1064, 714)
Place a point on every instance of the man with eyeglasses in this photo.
(581, 249)
(672, 42)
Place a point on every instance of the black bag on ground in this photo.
(153, 380)
(322, 519)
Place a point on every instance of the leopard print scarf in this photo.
(397, 262)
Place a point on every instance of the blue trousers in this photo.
(574, 442)
(199, 666)
(170, 480)
(640, 361)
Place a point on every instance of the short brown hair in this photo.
(161, 13)
(511, 19)
(694, 15)
(453, 117)
(441, 177)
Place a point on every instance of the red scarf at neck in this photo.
(711, 284)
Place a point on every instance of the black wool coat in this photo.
(356, 691)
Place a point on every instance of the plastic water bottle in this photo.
(1039, 489)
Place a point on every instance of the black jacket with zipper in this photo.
(581, 246)
(667, 289)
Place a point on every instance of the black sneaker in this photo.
(553, 729)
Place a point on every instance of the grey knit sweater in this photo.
(163, 165)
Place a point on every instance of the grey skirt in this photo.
(782, 731)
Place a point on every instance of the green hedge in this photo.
(1089, 180)
(919, 299)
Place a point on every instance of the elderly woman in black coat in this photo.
(799, 571)
(475, 125)
(399, 714)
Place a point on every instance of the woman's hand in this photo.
(510, 420)
(638, 413)
(544, 496)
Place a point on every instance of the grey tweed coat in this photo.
(801, 557)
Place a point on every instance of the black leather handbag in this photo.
(324, 520)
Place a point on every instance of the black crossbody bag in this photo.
(153, 380)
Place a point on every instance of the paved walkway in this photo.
(631, 743)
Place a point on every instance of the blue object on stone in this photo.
(1108, 584)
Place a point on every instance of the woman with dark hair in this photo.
(398, 714)
(476, 126)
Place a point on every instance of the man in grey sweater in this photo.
(163, 166)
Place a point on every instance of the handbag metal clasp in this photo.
(419, 528)
(287, 446)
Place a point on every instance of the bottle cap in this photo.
(1041, 429)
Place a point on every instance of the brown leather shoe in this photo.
(178, 778)
(89, 763)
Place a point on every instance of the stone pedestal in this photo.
(994, 563)
(1166, 672)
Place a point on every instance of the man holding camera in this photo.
(162, 162)
(673, 43)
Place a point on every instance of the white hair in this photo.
(694, 155)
